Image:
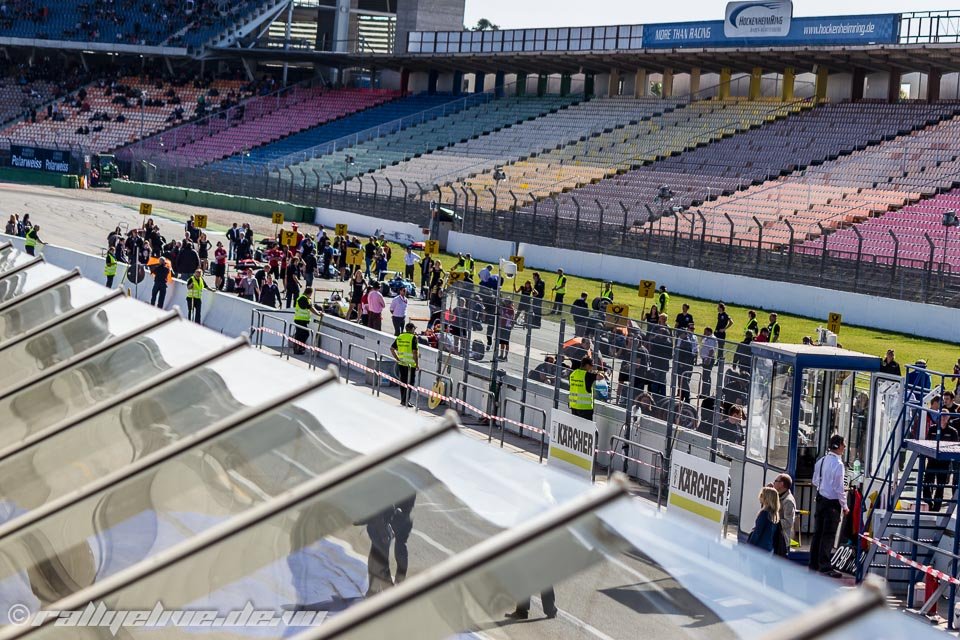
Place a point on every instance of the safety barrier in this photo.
(524, 407)
(923, 568)
(624, 453)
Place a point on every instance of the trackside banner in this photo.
(40, 159)
(573, 441)
(756, 24)
(699, 490)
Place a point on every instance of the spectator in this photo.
(375, 306)
(773, 329)
(270, 293)
(891, 366)
(684, 318)
(653, 316)
(536, 308)
(188, 261)
(249, 288)
(831, 501)
(546, 371)
(398, 311)
(766, 526)
(687, 349)
(410, 260)
(219, 266)
(938, 472)
(783, 483)
(752, 323)
(506, 324)
(730, 429)
(708, 359)
(663, 299)
(581, 313)
(724, 323)
(161, 273)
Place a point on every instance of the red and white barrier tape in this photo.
(620, 454)
(930, 571)
(428, 392)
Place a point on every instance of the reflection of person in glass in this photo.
(548, 600)
(392, 524)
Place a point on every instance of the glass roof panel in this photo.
(101, 377)
(36, 277)
(121, 435)
(176, 499)
(47, 306)
(10, 258)
(443, 498)
(118, 317)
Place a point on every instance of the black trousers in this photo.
(826, 521)
(934, 481)
(109, 282)
(159, 294)
(547, 598)
(31, 251)
(586, 414)
(301, 334)
(378, 561)
(408, 271)
(407, 375)
(398, 323)
(193, 309)
(557, 303)
(292, 294)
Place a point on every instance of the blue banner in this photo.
(839, 30)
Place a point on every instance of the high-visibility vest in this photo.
(664, 300)
(579, 397)
(607, 295)
(195, 288)
(31, 240)
(405, 357)
(299, 313)
(561, 287)
(469, 267)
(110, 266)
(774, 330)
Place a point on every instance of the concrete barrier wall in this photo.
(402, 232)
(486, 249)
(255, 206)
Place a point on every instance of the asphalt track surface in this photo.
(626, 596)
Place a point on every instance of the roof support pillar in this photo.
(823, 77)
(404, 81)
(724, 88)
(589, 84)
(641, 86)
(694, 81)
(789, 84)
(498, 81)
(478, 79)
(521, 83)
(565, 82)
(667, 91)
(613, 83)
(756, 84)
(893, 89)
(457, 82)
(934, 76)
(432, 82)
(542, 84)
(859, 80)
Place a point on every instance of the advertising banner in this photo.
(699, 490)
(832, 31)
(573, 441)
(40, 159)
(758, 19)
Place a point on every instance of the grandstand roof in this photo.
(146, 459)
(904, 57)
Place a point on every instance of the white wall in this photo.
(365, 225)
(480, 248)
(877, 85)
(839, 87)
(911, 318)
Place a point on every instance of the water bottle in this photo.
(857, 468)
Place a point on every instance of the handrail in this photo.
(660, 458)
(928, 547)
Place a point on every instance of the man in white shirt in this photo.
(708, 359)
(410, 260)
(828, 478)
(398, 311)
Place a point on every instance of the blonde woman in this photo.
(768, 520)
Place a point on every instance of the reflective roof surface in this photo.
(146, 460)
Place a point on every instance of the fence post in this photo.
(406, 196)
(556, 220)
(359, 192)
(759, 239)
(599, 226)
(515, 201)
(494, 194)
(466, 199)
(526, 368)
(303, 188)
(676, 233)
(896, 255)
(790, 248)
(376, 189)
(930, 263)
(577, 225)
(626, 226)
(823, 253)
(290, 192)
(476, 202)
(856, 269)
(559, 372)
(316, 192)
(703, 232)
(330, 189)
(730, 245)
(390, 186)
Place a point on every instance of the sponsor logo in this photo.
(767, 18)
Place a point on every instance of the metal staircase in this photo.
(894, 492)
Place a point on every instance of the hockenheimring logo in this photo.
(769, 18)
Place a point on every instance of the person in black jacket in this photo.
(661, 353)
(188, 261)
(580, 311)
(160, 274)
(938, 472)
(270, 293)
